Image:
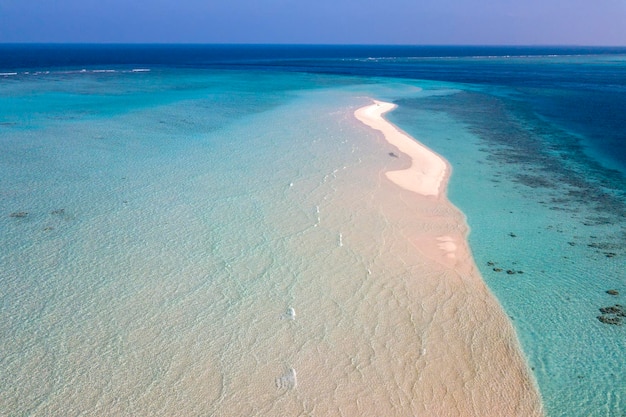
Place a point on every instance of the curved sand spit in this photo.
(471, 363)
(427, 172)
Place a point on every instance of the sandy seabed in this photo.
(388, 315)
(365, 300)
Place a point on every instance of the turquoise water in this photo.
(158, 229)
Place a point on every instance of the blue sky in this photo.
(526, 22)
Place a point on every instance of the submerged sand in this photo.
(337, 293)
(470, 363)
(391, 317)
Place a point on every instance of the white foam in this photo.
(287, 380)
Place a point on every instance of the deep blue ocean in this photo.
(586, 86)
(125, 167)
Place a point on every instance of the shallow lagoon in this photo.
(150, 196)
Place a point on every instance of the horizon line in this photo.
(442, 45)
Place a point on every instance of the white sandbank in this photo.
(471, 362)
(427, 172)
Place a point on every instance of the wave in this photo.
(74, 72)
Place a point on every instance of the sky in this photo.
(415, 22)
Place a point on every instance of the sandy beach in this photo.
(427, 172)
(470, 363)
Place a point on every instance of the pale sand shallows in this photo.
(471, 363)
(427, 172)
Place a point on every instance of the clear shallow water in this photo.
(173, 216)
(558, 230)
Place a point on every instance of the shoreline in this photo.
(428, 173)
(472, 363)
